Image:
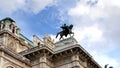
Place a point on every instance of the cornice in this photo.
(38, 48)
(35, 49)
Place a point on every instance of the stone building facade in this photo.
(16, 51)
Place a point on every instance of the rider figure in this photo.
(64, 27)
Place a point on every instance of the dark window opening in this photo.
(13, 31)
(38, 43)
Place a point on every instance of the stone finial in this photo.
(48, 41)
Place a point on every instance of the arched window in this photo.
(10, 67)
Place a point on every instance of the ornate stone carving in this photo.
(11, 43)
(48, 41)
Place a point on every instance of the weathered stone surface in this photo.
(66, 43)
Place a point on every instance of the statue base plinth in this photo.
(66, 42)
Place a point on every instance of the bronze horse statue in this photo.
(65, 31)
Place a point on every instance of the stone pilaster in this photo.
(11, 27)
(7, 23)
(1, 59)
(17, 31)
(43, 61)
(75, 61)
(5, 39)
(1, 26)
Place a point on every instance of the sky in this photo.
(96, 23)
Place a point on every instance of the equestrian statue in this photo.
(65, 31)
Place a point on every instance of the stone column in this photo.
(5, 39)
(75, 61)
(17, 31)
(2, 26)
(42, 61)
(11, 27)
(1, 59)
(6, 25)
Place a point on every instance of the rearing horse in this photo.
(65, 32)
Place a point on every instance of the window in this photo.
(13, 31)
(10, 26)
(38, 43)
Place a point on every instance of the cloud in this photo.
(34, 6)
(101, 14)
(84, 9)
(81, 8)
(92, 33)
(37, 5)
(10, 6)
(97, 27)
(103, 59)
(81, 11)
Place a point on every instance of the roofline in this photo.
(26, 39)
(37, 48)
(8, 19)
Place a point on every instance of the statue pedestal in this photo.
(65, 43)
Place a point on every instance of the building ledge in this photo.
(14, 54)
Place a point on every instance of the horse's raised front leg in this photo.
(57, 35)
